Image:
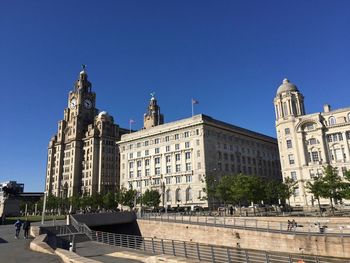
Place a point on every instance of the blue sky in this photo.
(229, 55)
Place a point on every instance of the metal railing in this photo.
(202, 252)
(309, 228)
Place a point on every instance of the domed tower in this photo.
(289, 102)
(152, 117)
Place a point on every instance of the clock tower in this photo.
(83, 157)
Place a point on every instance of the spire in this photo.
(82, 83)
(153, 117)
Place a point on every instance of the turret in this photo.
(152, 117)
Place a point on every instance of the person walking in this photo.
(26, 227)
(18, 225)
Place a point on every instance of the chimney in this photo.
(326, 108)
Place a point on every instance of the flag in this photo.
(195, 101)
(131, 121)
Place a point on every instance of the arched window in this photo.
(168, 195)
(188, 194)
(331, 121)
(178, 195)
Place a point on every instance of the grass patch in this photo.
(12, 220)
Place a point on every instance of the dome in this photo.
(103, 113)
(286, 86)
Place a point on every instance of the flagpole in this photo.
(192, 106)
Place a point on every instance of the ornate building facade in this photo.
(83, 157)
(307, 142)
(176, 157)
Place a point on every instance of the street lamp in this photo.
(44, 208)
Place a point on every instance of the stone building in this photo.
(176, 157)
(83, 156)
(307, 142)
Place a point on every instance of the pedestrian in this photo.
(26, 227)
(18, 225)
(289, 225)
(294, 225)
(231, 210)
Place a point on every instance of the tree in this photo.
(75, 201)
(287, 188)
(317, 189)
(151, 198)
(272, 191)
(127, 197)
(109, 201)
(332, 185)
(224, 190)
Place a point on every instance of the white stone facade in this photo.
(175, 158)
(307, 142)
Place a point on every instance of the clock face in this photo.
(88, 104)
(73, 103)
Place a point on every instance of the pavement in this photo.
(14, 250)
(106, 253)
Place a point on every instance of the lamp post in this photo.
(44, 208)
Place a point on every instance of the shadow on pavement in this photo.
(2, 240)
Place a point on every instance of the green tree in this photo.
(346, 185)
(224, 189)
(151, 198)
(109, 201)
(287, 188)
(51, 202)
(272, 191)
(332, 185)
(75, 201)
(317, 189)
(127, 197)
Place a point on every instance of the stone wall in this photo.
(290, 243)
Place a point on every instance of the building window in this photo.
(188, 194)
(138, 145)
(147, 162)
(138, 184)
(286, 131)
(314, 156)
(167, 138)
(177, 157)
(177, 146)
(188, 167)
(289, 144)
(186, 134)
(168, 195)
(131, 165)
(156, 181)
(332, 120)
(178, 195)
(188, 178)
(293, 175)
(312, 141)
(168, 169)
(139, 163)
(199, 166)
(187, 144)
(167, 148)
(168, 180)
(291, 159)
(147, 172)
(131, 156)
(309, 126)
(188, 155)
(138, 154)
(157, 160)
(296, 192)
(178, 168)
(146, 182)
(198, 153)
(131, 174)
(176, 136)
(197, 142)
(146, 143)
(157, 171)
(338, 154)
(168, 158)
(156, 141)
(156, 150)
(138, 173)
(178, 179)
(146, 152)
